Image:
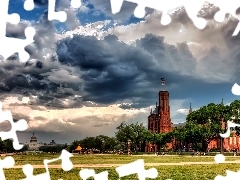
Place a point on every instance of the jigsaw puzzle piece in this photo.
(5, 17)
(66, 166)
(7, 162)
(53, 15)
(225, 8)
(192, 8)
(20, 125)
(9, 46)
(61, 15)
(28, 171)
(87, 173)
(137, 167)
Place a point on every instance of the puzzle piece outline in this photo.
(66, 164)
(20, 125)
(137, 167)
(52, 14)
(192, 8)
(6, 163)
(8, 45)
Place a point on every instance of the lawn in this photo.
(113, 159)
(185, 172)
(194, 172)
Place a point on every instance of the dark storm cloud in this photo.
(110, 71)
(119, 71)
(113, 70)
(41, 3)
(39, 76)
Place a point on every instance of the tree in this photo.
(8, 146)
(136, 133)
(123, 134)
(235, 112)
(205, 124)
(110, 143)
(162, 139)
(179, 134)
(74, 145)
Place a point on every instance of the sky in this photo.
(87, 75)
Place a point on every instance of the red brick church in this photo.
(159, 121)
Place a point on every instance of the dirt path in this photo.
(117, 165)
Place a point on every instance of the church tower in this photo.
(164, 112)
(190, 109)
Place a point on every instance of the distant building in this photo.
(34, 145)
(52, 143)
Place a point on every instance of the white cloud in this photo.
(85, 117)
(183, 111)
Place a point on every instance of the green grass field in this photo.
(184, 172)
(114, 159)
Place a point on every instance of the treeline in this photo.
(6, 146)
(206, 124)
(53, 149)
(133, 136)
(202, 126)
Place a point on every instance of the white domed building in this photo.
(34, 145)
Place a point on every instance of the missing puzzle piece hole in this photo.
(76, 3)
(8, 162)
(219, 158)
(28, 170)
(28, 5)
(14, 18)
(152, 172)
(22, 124)
(61, 16)
(219, 16)
(30, 32)
(200, 23)
(166, 19)
(236, 89)
(139, 12)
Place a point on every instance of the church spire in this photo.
(190, 109)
